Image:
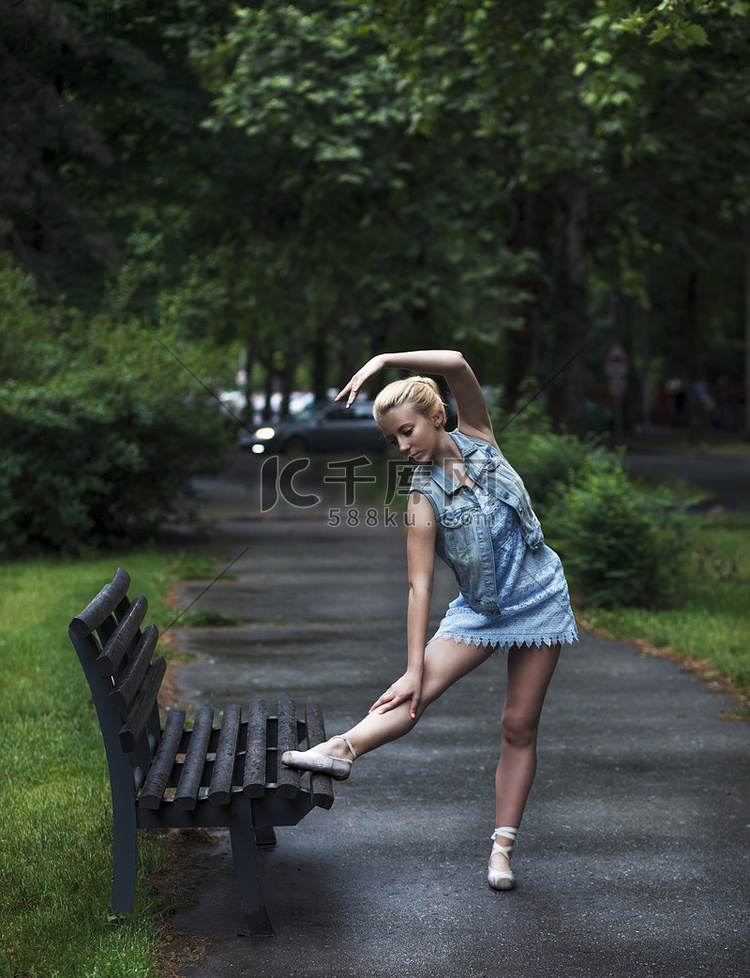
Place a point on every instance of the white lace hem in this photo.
(567, 637)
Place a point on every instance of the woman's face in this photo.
(412, 434)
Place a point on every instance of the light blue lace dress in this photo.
(531, 587)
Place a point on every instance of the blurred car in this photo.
(331, 428)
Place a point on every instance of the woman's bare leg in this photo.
(529, 673)
(445, 662)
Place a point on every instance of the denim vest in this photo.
(463, 539)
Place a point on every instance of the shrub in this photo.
(101, 432)
(547, 461)
(76, 471)
(620, 545)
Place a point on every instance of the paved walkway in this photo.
(726, 478)
(634, 855)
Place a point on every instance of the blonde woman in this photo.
(468, 506)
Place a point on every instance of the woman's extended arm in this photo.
(473, 416)
(421, 559)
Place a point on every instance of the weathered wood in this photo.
(120, 640)
(321, 786)
(186, 795)
(287, 778)
(220, 788)
(158, 776)
(129, 682)
(102, 605)
(254, 777)
(142, 705)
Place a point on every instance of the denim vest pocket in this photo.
(458, 529)
(462, 537)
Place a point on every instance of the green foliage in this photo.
(325, 179)
(547, 461)
(363, 228)
(620, 545)
(101, 430)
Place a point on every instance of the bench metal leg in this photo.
(124, 855)
(264, 835)
(246, 870)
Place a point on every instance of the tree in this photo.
(380, 228)
(99, 123)
(562, 89)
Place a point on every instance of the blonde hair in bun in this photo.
(422, 392)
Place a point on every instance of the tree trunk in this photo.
(320, 363)
(287, 382)
(522, 341)
(645, 327)
(269, 389)
(570, 320)
(747, 329)
(698, 402)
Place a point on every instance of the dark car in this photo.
(332, 428)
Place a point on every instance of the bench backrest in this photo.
(116, 655)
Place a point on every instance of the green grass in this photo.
(712, 621)
(197, 567)
(55, 808)
(209, 618)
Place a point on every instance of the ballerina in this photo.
(470, 507)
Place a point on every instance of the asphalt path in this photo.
(726, 478)
(634, 852)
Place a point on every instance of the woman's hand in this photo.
(408, 687)
(370, 370)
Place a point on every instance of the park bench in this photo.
(188, 775)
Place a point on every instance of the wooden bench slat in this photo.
(130, 680)
(321, 786)
(119, 641)
(287, 778)
(220, 788)
(142, 705)
(163, 762)
(254, 777)
(102, 605)
(186, 795)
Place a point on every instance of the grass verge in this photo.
(55, 806)
(709, 631)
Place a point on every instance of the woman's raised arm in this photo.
(473, 416)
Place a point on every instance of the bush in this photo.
(621, 546)
(548, 463)
(76, 471)
(546, 460)
(101, 431)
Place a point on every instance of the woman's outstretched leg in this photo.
(445, 662)
(529, 673)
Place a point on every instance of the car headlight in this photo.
(258, 449)
(265, 434)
